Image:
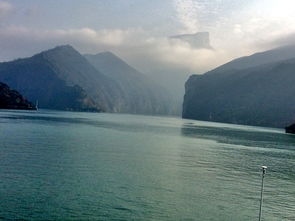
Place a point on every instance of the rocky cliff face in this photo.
(198, 40)
(240, 93)
(11, 99)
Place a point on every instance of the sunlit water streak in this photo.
(87, 166)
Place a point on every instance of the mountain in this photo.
(61, 78)
(139, 93)
(196, 40)
(255, 90)
(53, 77)
(11, 99)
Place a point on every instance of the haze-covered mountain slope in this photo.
(139, 93)
(261, 58)
(11, 99)
(260, 95)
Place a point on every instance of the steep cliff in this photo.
(240, 93)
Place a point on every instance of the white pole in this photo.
(262, 186)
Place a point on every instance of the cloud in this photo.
(279, 41)
(235, 34)
(248, 26)
(23, 41)
(5, 8)
(187, 14)
(138, 47)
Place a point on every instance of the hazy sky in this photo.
(137, 30)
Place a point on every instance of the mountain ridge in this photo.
(61, 78)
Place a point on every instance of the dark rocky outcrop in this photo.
(290, 129)
(11, 99)
(262, 94)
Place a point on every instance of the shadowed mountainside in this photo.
(261, 94)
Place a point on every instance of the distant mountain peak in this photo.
(142, 95)
(62, 50)
(195, 40)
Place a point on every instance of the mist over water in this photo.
(86, 166)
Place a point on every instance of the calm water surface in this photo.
(87, 166)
